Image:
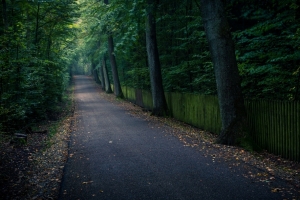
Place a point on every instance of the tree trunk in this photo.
(93, 70)
(105, 74)
(117, 86)
(222, 50)
(95, 73)
(96, 76)
(99, 71)
(102, 77)
(158, 96)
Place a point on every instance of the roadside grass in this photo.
(250, 145)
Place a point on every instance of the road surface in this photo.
(116, 156)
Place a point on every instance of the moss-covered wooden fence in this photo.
(274, 125)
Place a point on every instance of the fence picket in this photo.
(298, 131)
(272, 128)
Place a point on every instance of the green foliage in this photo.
(249, 144)
(268, 49)
(34, 47)
(183, 49)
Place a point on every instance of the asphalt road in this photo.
(114, 155)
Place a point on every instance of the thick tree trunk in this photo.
(95, 73)
(97, 76)
(106, 78)
(158, 96)
(222, 50)
(99, 71)
(117, 86)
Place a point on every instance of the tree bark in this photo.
(232, 108)
(95, 73)
(117, 86)
(158, 96)
(96, 76)
(100, 71)
(102, 77)
(106, 78)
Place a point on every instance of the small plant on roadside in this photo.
(249, 144)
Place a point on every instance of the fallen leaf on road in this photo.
(276, 190)
(87, 182)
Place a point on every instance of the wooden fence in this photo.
(274, 125)
(198, 110)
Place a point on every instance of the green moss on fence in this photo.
(147, 99)
(198, 110)
(274, 125)
(131, 94)
(124, 90)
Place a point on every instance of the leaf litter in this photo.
(34, 170)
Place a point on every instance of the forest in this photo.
(37, 46)
(163, 46)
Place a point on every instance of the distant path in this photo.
(115, 156)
